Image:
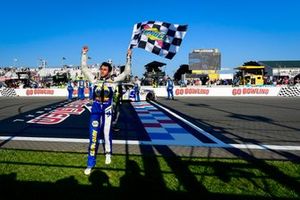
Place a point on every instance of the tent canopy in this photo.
(154, 66)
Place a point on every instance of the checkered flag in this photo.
(160, 38)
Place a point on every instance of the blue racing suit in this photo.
(91, 88)
(100, 121)
(136, 89)
(81, 89)
(170, 86)
(101, 112)
(70, 91)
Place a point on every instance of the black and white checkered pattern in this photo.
(160, 38)
(292, 91)
(8, 92)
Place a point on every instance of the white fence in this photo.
(178, 91)
(230, 91)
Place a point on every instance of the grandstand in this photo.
(281, 69)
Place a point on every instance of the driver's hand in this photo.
(129, 53)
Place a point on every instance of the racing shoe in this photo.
(87, 171)
(107, 159)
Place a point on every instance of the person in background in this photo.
(170, 87)
(81, 89)
(70, 90)
(91, 86)
(136, 88)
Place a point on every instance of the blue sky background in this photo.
(52, 29)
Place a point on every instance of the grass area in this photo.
(41, 174)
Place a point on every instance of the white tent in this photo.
(11, 75)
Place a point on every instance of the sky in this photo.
(51, 29)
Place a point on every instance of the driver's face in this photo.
(103, 71)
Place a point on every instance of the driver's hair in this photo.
(106, 64)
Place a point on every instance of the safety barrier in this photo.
(288, 91)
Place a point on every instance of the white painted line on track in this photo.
(265, 147)
(219, 142)
(44, 139)
(19, 120)
(136, 142)
(88, 107)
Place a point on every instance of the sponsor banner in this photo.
(192, 91)
(218, 91)
(253, 92)
(30, 92)
(41, 92)
(178, 91)
(48, 92)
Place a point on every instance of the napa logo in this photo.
(155, 34)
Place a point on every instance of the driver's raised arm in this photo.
(127, 69)
(84, 67)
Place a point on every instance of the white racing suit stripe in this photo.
(100, 123)
(106, 129)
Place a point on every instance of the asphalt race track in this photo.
(263, 127)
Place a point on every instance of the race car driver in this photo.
(101, 112)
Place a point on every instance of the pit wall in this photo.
(288, 91)
(230, 91)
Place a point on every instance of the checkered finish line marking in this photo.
(163, 130)
(201, 131)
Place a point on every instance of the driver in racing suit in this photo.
(101, 112)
